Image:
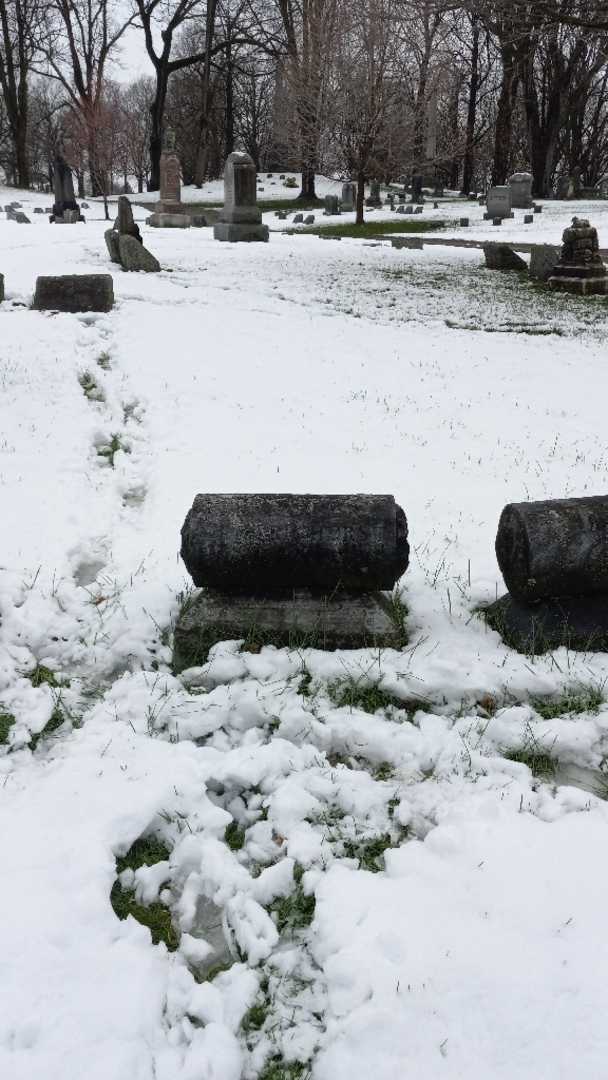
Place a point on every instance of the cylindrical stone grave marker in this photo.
(256, 544)
(554, 548)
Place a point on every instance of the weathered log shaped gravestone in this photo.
(65, 208)
(498, 203)
(580, 269)
(554, 559)
(240, 219)
(294, 569)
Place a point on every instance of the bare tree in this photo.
(79, 38)
(18, 36)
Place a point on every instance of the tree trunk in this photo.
(504, 119)
(360, 196)
(468, 165)
(157, 112)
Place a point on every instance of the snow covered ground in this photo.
(402, 848)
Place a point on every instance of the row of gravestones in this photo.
(316, 569)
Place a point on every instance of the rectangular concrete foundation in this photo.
(300, 620)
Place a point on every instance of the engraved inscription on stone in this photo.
(244, 185)
(170, 190)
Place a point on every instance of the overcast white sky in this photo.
(130, 58)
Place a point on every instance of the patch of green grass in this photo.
(109, 450)
(43, 676)
(146, 851)
(383, 771)
(296, 911)
(234, 836)
(255, 1017)
(370, 852)
(6, 722)
(355, 694)
(305, 684)
(92, 389)
(541, 765)
(104, 361)
(576, 699)
(279, 1069)
(155, 916)
(56, 720)
(370, 230)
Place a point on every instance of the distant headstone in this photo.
(309, 220)
(170, 176)
(38, 210)
(63, 187)
(240, 219)
(74, 292)
(417, 209)
(349, 196)
(332, 205)
(298, 219)
(528, 219)
(19, 217)
(409, 209)
(580, 269)
(111, 238)
(1, 288)
(521, 191)
(499, 203)
(497, 221)
(464, 222)
(85, 205)
(296, 567)
(538, 209)
(374, 198)
(502, 257)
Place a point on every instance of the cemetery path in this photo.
(395, 841)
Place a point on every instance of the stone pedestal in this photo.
(579, 623)
(240, 219)
(303, 619)
(580, 269)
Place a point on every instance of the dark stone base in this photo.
(580, 286)
(579, 623)
(235, 234)
(169, 221)
(74, 292)
(301, 620)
